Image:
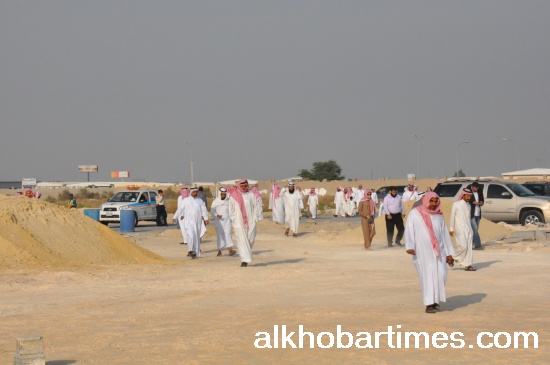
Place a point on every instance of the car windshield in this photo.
(448, 190)
(538, 189)
(124, 197)
(520, 190)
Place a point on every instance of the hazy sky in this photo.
(263, 89)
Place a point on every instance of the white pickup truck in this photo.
(142, 202)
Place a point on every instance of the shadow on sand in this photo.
(460, 301)
(61, 362)
(293, 261)
(483, 265)
(478, 265)
(260, 252)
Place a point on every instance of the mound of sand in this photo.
(35, 233)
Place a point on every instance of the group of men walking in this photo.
(287, 205)
(427, 237)
(346, 200)
(237, 210)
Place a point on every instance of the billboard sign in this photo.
(88, 168)
(120, 174)
(28, 183)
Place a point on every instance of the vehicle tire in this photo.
(136, 220)
(105, 223)
(531, 217)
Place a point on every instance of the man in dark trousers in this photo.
(394, 212)
(202, 196)
(161, 209)
(476, 202)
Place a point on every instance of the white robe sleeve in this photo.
(453, 217)
(446, 241)
(410, 236)
(204, 211)
(179, 212)
(232, 211)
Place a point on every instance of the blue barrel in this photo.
(127, 221)
(92, 213)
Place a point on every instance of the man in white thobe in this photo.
(292, 199)
(184, 193)
(276, 204)
(460, 226)
(351, 209)
(220, 211)
(312, 203)
(194, 217)
(428, 240)
(358, 195)
(410, 194)
(260, 203)
(339, 202)
(374, 196)
(243, 211)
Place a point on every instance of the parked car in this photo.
(381, 193)
(504, 201)
(539, 188)
(142, 202)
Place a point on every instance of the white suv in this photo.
(504, 201)
(142, 202)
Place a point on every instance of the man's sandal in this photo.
(430, 309)
(469, 268)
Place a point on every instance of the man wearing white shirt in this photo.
(194, 216)
(460, 227)
(358, 195)
(222, 221)
(410, 194)
(394, 211)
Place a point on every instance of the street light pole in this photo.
(517, 146)
(457, 147)
(417, 155)
(190, 162)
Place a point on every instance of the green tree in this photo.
(306, 174)
(329, 170)
(460, 174)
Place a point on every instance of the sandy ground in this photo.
(208, 310)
